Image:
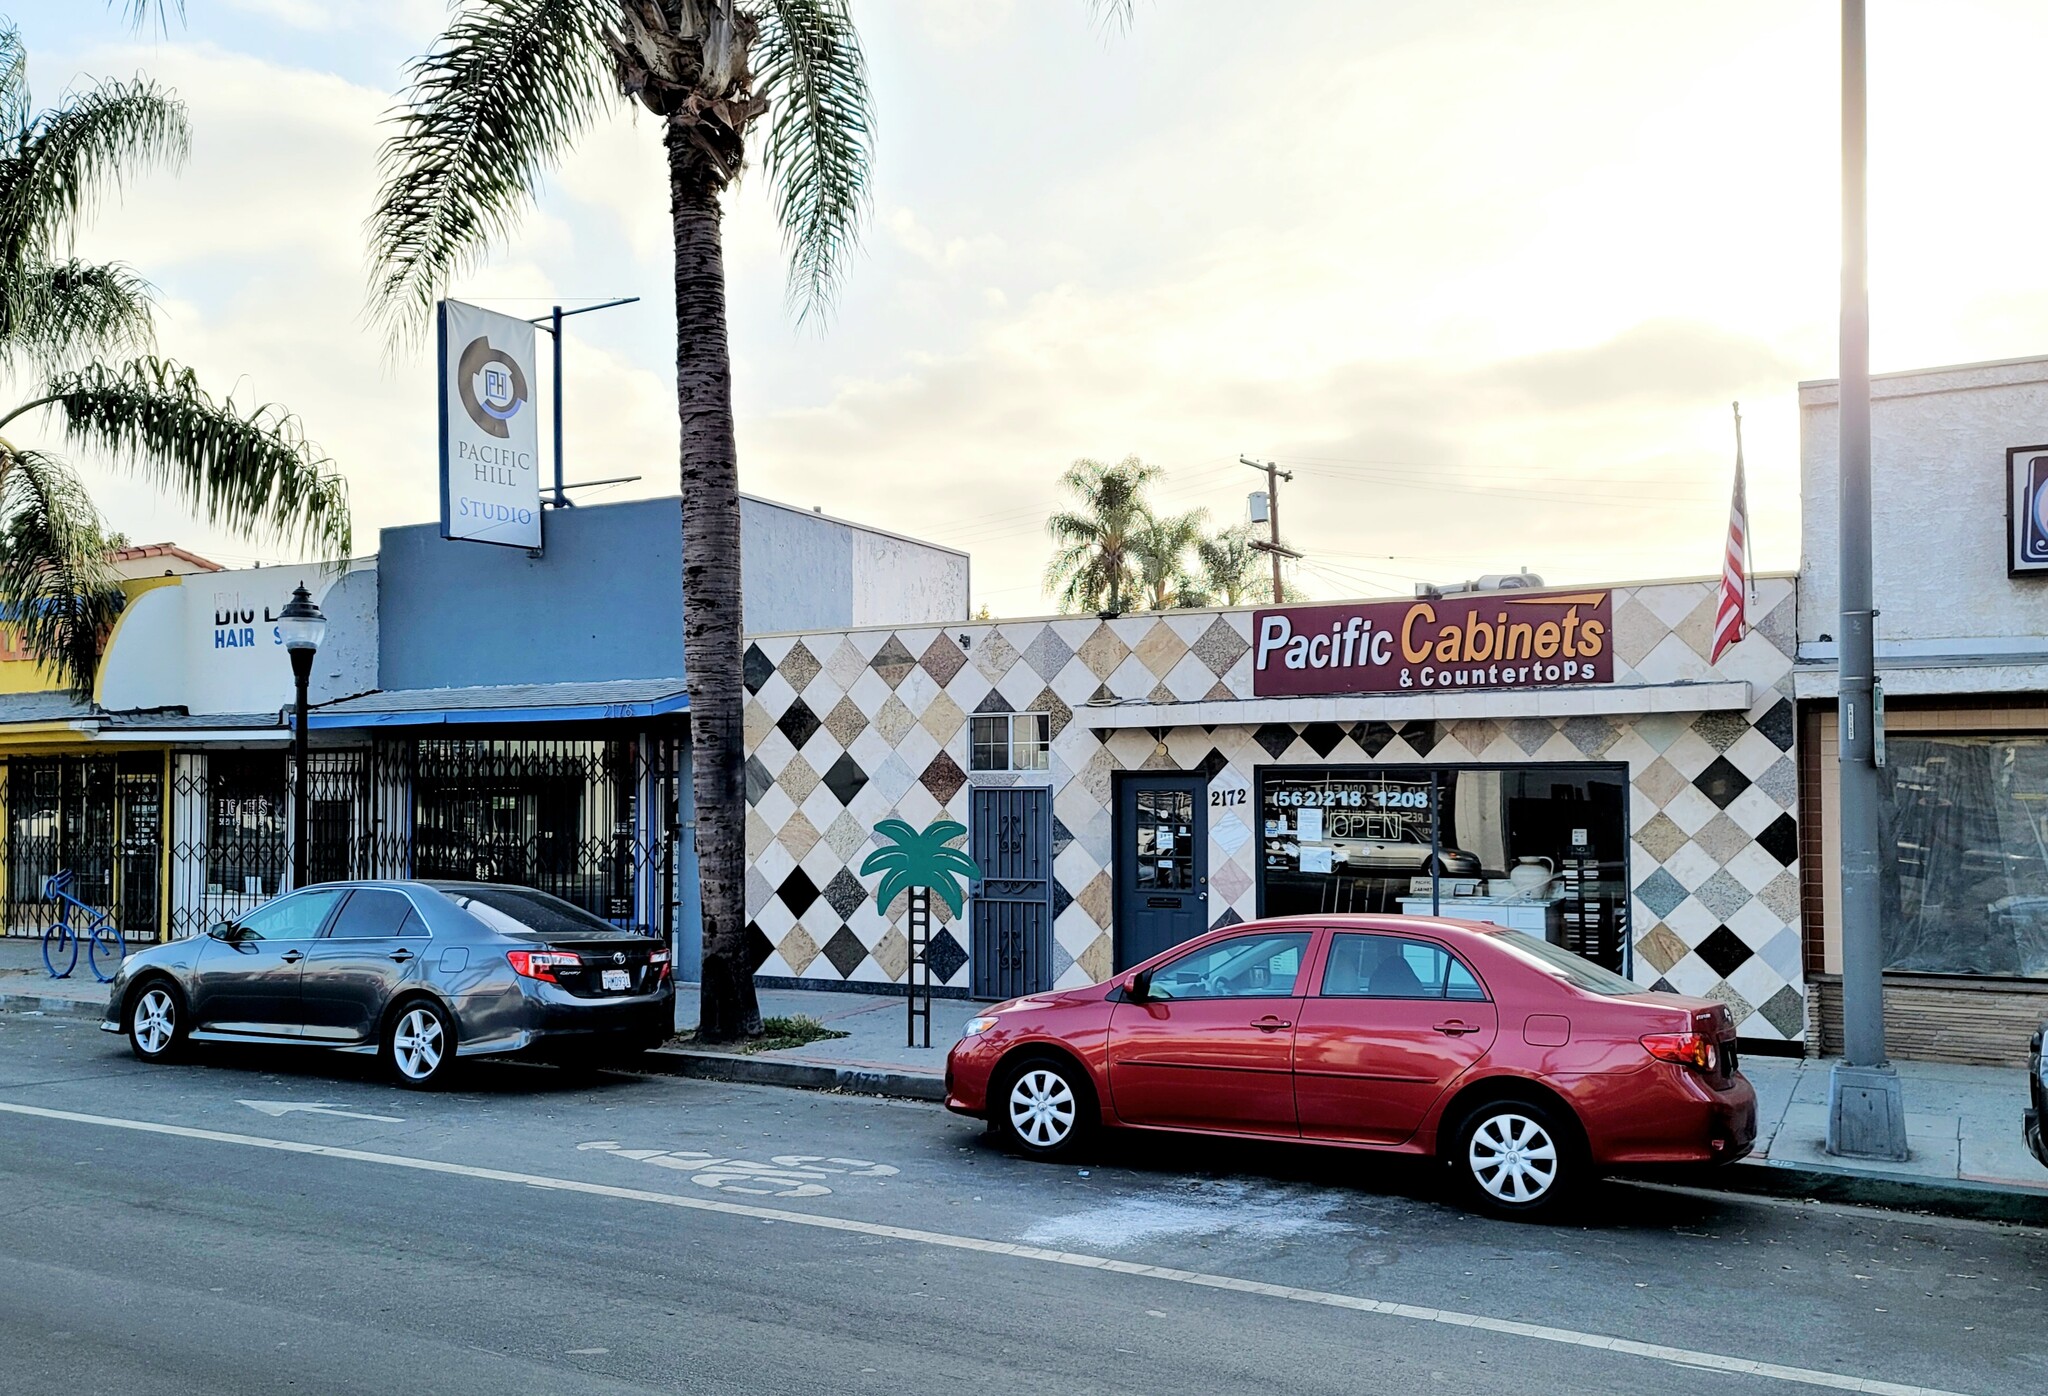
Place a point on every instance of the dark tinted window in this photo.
(523, 911)
(295, 917)
(1391, 967)
(370, 914)
(413, 926)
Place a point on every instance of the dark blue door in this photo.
(1162, 864)
(1011, 913)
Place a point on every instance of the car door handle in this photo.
(292, 957)
(401, 955)
(1456, 1028)
(1269, 1023)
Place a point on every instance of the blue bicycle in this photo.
(104, 945)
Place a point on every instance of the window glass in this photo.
(246, 851)
(294, 917)
(1964, 879)
(1575, 970)
(1393, 967)
(991, 743)
(371, 914)
(412, 925)
(520, 912)
(1244, 967)
(1030, 741)
(1163, 823)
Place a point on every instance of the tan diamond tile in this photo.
(1661, 949)
(759, 835)
(846, 721)
(1658, 782)
(798, 780)
(1161, 649)
(942, 718)
(1103, 651)
(798, 835)
(1097, 899)
(1722, 839)
(1096, 961)
(1660, 838)
(892, 953)
(798, 949)
(755, 724)
(894, 720)
(994, 656)
(799, 666)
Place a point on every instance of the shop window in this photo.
(1012, 742)
(246, 848)
(1965, 882)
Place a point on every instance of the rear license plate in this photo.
(615, 979)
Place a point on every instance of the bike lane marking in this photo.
(784, 1175)
(1482, 1323)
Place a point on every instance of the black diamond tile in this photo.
(844, 893)
(1663, 986)
(1227, 919)
(1721, 782)
(797, 891)
(1061, 837)
(758, 947)
(1275, 737)
(994, 703)
(943, 777)
(1781, 840)
(1212, 763)
(1778, 724)
(1372, 737)
(759, 782)
(1061, 899)
(1422, 736)
(1322, 737)
(845, 951)
(845, 779)
(799, 724)
(944, 955)
(755, 669)
(1723, 951)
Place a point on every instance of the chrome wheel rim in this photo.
(1513, 1157)
(418, 1043)
(1042, 1108)
(156, 1020)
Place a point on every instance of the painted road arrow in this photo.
(274, 1108)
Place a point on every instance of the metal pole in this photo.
(1273, 528)
(1866, 1116)
(561, 494)
(302, 669)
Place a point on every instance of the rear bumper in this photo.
(540, 1020)
(2031, 1131)
(1668, 1114)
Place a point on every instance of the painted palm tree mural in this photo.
(921, 862)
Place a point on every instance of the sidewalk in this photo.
(1963, 1122)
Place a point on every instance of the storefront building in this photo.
(1567, 762)
(1960, 579)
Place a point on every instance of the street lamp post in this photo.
(302, 627)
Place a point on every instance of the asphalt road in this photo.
(196, 1229)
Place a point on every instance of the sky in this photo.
(1483, 275)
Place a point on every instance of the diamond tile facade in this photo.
(1712, 812)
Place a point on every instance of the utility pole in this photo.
(1866, 1107)
(1274, 475)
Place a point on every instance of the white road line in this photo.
(1657, 1352)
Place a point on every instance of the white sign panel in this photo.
(490, 437)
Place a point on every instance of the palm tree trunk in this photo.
(711, 592)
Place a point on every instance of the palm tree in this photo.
(496, 104)
(1163, 545)
(920, 858)
(1233, 572)
(81, 331)
(1096, 565)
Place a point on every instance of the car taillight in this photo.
(540, 964)
(1685, 1048)
(659, 960)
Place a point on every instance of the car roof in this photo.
(1371, 921)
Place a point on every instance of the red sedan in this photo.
(1527, 1068)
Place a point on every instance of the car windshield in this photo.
(521, 911)
(1576, 970)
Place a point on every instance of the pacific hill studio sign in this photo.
(1497, 640)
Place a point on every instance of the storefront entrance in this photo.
(98, 817)
(1162, 864)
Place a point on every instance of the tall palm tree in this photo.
(80, 332)
(1095, 565)
(1232, 571)
(1164, 543)
(497, 103)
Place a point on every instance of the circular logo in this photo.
(618, 957)
(493, 387)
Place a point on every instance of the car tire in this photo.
(1519, 1159)
(419, 1044)
(1045, 1108)
(155, 1021)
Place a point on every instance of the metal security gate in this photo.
(1011, 911)
(97, 817)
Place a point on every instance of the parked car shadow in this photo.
(485, 1076)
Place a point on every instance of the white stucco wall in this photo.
(1938, 542)
(900, 581)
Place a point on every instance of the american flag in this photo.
(1731, 620)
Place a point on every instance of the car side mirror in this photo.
(1140, 987)
(222, 930)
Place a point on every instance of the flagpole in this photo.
(1866, 1107)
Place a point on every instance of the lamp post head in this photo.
(301, 623)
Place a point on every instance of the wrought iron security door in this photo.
(1011, 912)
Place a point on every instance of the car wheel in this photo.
(1518, 1159)
(419, 1046)
(156, 1022)
(1043, 1110)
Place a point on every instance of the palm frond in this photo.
(821, 126)
(1110, 14)
(490, 109)
(14, 98)
(139, 11)
(248, 469)
(55, 585)
(59, 313)
(55, 171)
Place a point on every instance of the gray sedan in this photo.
(419, 972)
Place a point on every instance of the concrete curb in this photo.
(1805, 1182)
(768, 1071)
(51, 1005)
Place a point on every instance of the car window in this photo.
(370, 913)
(294, 917)
(412, 925)
(1394, 967)
(1257, 966)
(1575, 970)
